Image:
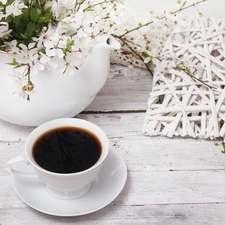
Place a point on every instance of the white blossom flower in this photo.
(24, 56)
(69, 66)
(4, 29)
(164, 65)
(27, 49)
(20, 82)
(15, 8)
(3, 2)
(52, 47)
(44, 35)
(49, 61)
(35, 64)
(61, 8)
(74, 29)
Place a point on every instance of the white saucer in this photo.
(105, 188)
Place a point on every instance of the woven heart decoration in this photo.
(188, 96)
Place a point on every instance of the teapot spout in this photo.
(96, 66)
(112, 43)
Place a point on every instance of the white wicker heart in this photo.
(188, 95)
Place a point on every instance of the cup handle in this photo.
(20, 158)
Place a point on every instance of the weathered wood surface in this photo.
(170, 181)
(125, 90)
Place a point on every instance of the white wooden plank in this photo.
(11, 132)
(125, 89)
(126, 125)
(163, 154)
(148, 155)
(113, 214)
(176, 187)
(140, 152)
(114, 124)
(161, 187)
(207, 214)
(150, 188)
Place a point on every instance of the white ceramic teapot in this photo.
(56, 95)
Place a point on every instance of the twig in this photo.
(132, 50)
(174, 12)
(96, 4)
(223, 144)
(187, 71)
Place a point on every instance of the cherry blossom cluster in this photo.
(63, 32)
(75, 27)
(143, 36)
(148, 41)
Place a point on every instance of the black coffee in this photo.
(67, 150)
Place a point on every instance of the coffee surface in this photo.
(67, 150)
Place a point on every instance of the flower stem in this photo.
(133, 51)
(96, 4)
(28, 75)
(187, 71)
(223, 144)
(174, 12)
(128, 42)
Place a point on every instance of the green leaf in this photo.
(30, 29)
(48, 14)
(25, 14)
(184, 3)
(223, 144)
(10, 2)
(41, 19)
(14, 63)
(8, 19)
(17, 20)
(23, 36)
(34, 14)
(69, 43)
(37, 27)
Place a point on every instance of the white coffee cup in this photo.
(63, 185)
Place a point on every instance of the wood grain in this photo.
(170, 181)
(125, 90)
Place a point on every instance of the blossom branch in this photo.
(42, 35)
(99, 3)
(143, 54)
(182, 8)
(124, 42)
(188, 72)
